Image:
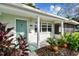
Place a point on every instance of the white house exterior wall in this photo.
(32, 37)
(43, 37)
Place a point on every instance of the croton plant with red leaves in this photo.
(6, 43)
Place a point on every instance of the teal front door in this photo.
(21, 28)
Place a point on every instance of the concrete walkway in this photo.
(33, 54)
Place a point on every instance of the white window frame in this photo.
(47, 24)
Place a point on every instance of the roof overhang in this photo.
(21, 10)
(71, 22)
(26, 11)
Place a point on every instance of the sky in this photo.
(49, 7)
(54, 8)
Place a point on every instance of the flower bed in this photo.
(44, 51)
(67, 45)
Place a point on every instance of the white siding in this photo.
(43, 36)
(32, 37)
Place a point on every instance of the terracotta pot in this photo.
(65, 45)
(55, 48)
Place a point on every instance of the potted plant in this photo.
(53, 44)
(63, 40)
(62, 43)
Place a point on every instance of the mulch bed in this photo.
(44, 51)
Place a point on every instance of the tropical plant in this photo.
(22, 49)
(62, 43)
(6, 43)
(63, 40)
(52, 41)
(53, 44)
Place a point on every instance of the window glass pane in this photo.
(44, 29)
(35, 29)
(44, 25)
(49, 25)
(49, 29)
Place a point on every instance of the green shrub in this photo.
(73, 41)
(61, 42)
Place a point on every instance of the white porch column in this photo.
(62, 28)
(53, 34)
(38, 31)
